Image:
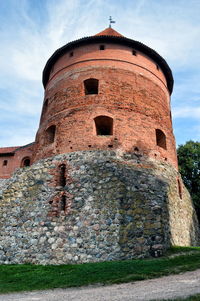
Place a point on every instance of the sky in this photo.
(31, 30)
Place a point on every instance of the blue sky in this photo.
(31, 30)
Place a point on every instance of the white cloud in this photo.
(187, 112)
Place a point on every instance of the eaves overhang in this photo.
(159, 60)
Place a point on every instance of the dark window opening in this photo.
(91, 86)
(26, 162)
(158, 68)
(102, 47)
(62, 175)
(5, 162)
(110, 145)
(179, 188)
(104, 125)
(160, 139)
(63, 203)
(134, 52)
(50, 134)
(136, 149)
(89, 145)
(71, 53)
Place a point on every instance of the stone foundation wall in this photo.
(102, 205)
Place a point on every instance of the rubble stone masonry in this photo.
(94, 206)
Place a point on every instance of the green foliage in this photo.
(189, 166)
(36, 277)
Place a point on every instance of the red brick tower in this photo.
(106, 92)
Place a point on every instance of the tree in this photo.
(189, 167)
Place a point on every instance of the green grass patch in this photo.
(27, 277)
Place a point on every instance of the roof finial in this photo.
(111, 21)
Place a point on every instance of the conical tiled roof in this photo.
(109, 32)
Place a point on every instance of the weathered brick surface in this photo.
(131, 90)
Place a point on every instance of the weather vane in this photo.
(111, 21)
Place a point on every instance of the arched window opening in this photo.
(50, 134)
(26, 162)
(104, 125)
(91, 86)
(5, 162)
(160, 139)
(62, 176)
(179, 188)
(63, 203)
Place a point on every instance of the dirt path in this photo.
(181, 285)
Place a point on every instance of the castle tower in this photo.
(107, 92)
(104, 183)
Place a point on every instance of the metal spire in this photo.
(111, 21)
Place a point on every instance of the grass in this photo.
(27, 277)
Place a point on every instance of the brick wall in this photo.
(132, 91)
(12, 158)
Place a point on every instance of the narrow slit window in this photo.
(134, 52)
(161, 139)
(62, 175)
(50, 134)
(104, 125)
(91, 86)
(71, 54)
(63, 203)
(157, 67)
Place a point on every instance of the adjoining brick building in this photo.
(15, 157)
(104, 181)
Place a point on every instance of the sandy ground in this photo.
(181, 285)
